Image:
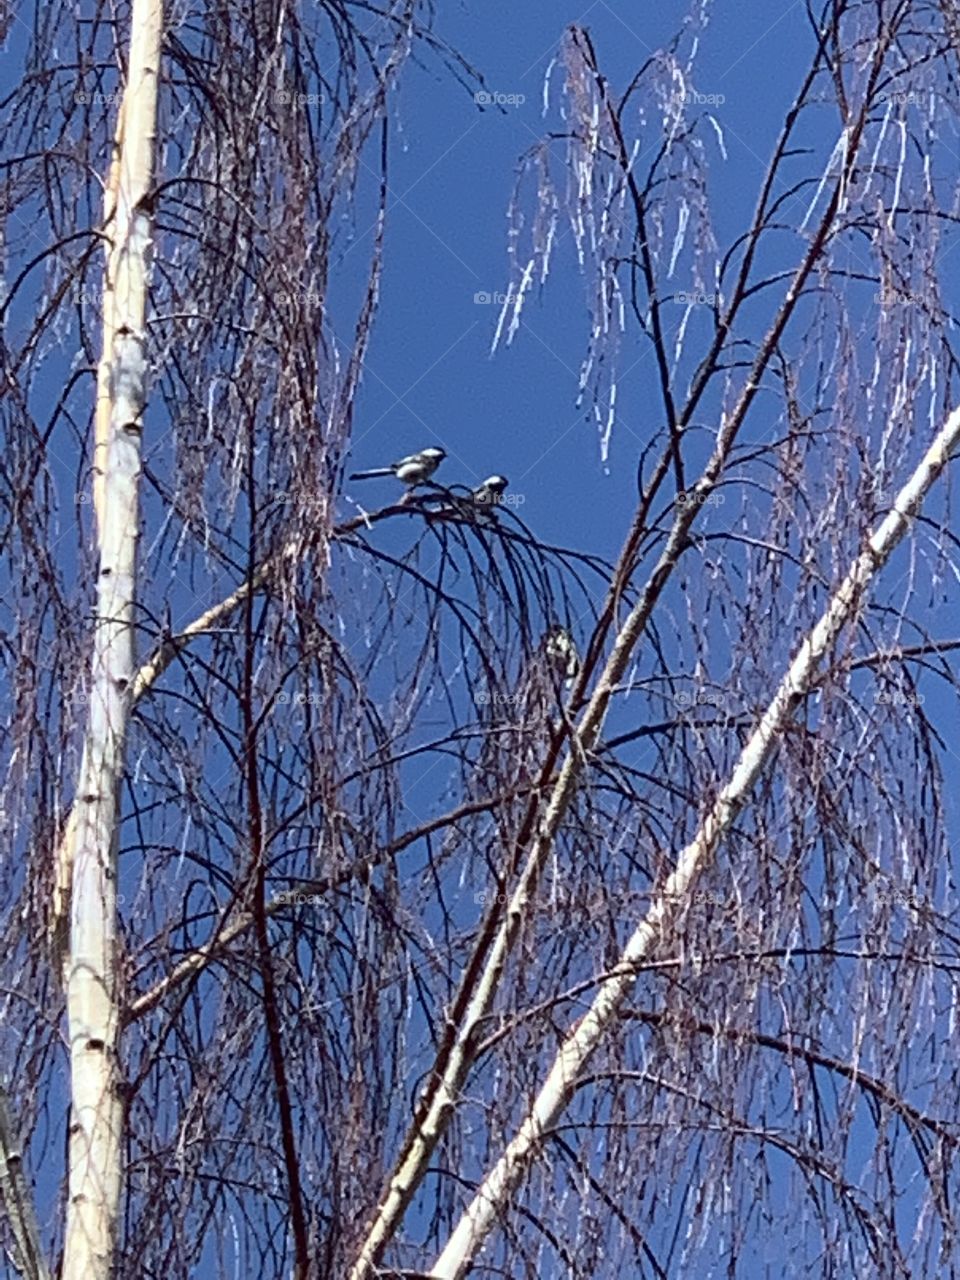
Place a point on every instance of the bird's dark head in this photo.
(496, 483)
(434, 453)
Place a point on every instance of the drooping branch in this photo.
(481, 976)
(492, 1197)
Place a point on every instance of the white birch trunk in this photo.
(97, 1113)
(493, 1196)
(63, 878)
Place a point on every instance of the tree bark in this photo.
(97, 1112)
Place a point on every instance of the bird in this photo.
(474, 505)
(490, 492)
(561, 650)
(412, 470)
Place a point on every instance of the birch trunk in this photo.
(63, 879)
(97, 1113)
(492, 1198)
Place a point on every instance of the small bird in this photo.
(475, 505)
(411, 470)
(490, 492)
(561, 650)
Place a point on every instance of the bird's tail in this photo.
(371, 475)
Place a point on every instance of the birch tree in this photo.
(398, 943)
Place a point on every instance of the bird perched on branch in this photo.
(412, 470)
(476, 505)
(489, 493)
(561, 650)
